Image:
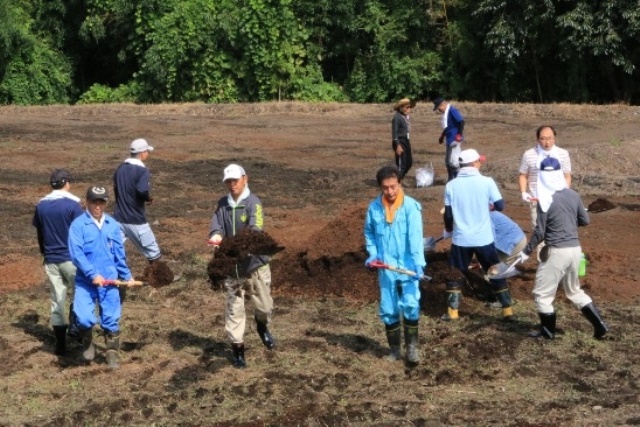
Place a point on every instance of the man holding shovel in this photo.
(560, 213)
(467, 220)
(52, 218)
(96, 249)
(239, 210)
(393, 236)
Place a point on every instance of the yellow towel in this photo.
(391, 209)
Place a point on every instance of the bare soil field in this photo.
(313, 165)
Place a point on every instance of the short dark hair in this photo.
(386, 172)
(544, 127)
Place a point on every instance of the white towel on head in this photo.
(548, 183)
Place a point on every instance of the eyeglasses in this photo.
(547, 138)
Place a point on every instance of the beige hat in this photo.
(403, 103)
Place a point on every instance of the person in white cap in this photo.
(560, 213)
(132, 190)
(468, 222)
(238, 210)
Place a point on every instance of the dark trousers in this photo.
(452, 171)
(405, 160)
(460, 257)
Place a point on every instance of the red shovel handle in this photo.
(378, 264)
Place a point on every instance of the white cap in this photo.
(233, 171)
(470, 156)
(140, 146)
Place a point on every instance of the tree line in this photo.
(151, 51)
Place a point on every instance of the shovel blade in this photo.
(502, 271)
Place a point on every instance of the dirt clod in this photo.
(601, 205)
(158, 274)
(235, 249)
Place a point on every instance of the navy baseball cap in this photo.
(59, 178)
(550, 164)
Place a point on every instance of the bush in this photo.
(101, 94)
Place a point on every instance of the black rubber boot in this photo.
(600, 328)
(112, 345)
(454, 295)
(266, 337)
(122, 291)
(547, 326)
(61, 333)
(238, 356)
(73, 331)
(88, 349)
(394, 338)
(411, 341)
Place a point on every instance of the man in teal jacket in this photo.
(393, 235)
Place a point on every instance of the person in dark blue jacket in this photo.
(452, 134)
(96, 249)
(52, 218)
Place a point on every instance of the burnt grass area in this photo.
(315, 173)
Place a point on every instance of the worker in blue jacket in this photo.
(393, 235)
(96, 249)
(452, 134)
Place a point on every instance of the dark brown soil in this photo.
(313, 166)
(235, 249)
(601, 205)
(158, 274)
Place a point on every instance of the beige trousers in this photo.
(256, 287)
(62, 278)
(562, 266)
(509, 258)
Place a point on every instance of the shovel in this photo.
(430, 243)
(380, 264)
(125, 283)
(503, 271)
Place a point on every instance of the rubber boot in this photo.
(88, 349)
(238, 355)
(600, 328)
(122, 291)
(61, 333)
(454, 295)
(547, 326)
(73, 331)
(504, 298)
(112, 345)
(266, 337)
(394, 338)
(411, 341)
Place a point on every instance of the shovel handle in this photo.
(124, 283)
(380, 264)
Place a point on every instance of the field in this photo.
(314, 165)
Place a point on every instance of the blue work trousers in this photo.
(108, 299)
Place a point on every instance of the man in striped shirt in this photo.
(530, 166)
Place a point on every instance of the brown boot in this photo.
(112, 344)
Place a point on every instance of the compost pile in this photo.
(601, 205)
(333, 263)
(238, 248)
(158, 274)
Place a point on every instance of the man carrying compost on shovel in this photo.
(560, 213)
(52, 218)
(238, 210)
(96, 249)
(393, 235)
(467, 220)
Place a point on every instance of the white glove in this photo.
(523, 257)
(446, 234)
(526, 197)
(215, 240)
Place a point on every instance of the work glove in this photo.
(523, 257)
(215, 240)
(419, 271)
(458, 137)
(526, 197)
(446, 234)
(441, 139)
(368, 262)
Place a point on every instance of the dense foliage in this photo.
(60, 51)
